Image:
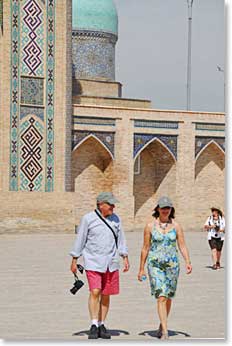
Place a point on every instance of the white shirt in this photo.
(220, 222)
(96, 243)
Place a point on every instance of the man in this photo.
(101, 240)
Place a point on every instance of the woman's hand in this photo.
(141, 274)
(189, 268)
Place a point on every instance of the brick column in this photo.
(185, 174)
(123, 171)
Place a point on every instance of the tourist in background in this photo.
(215, 226)
(159, 249)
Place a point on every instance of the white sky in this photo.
(151, 53)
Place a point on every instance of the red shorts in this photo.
(107, 282)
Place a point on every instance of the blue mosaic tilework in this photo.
(14, 110)
(50, 85)
(32, 90)
(32, 38)
(107, 138)
(140, 140)
(33, 111)
(93, 55)
(210, 127)
(201, 142)
(93, 121)
(31, 154)
(156, 124)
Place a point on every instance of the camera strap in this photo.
(100, 217)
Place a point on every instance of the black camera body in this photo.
(76, 286)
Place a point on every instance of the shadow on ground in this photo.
(113, 332)
(153, 333)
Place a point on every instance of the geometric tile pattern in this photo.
(32, 90)
(50, 80)
(15, 58)
(93, 121)
(141, 139)
(32, 38)
(161, 124)
(107, 138)
(31, 165)
(201, 142)
(32, 128)
(210, 127)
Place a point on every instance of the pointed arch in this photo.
(96, 138)
(206, 146)
(151, 141)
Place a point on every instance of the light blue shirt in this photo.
(96, 243)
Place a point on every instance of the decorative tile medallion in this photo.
(106, 138)
(32, 90)
(201, 142)
(141, 139)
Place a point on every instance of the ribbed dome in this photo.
(96, 15)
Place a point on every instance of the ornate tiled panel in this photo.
(201, 142)
(32, 99)
(32, 90)
(93, 121)
(32, 39)
(210, 127)
(141, 139)
(156, 124)
(107, 138)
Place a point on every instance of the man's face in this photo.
(106, 208)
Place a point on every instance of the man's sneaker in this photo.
(103, 333)
(93, 332)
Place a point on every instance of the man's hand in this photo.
(126, 264)
(73, 267)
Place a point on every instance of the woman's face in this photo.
(164, 212)
(215, 214)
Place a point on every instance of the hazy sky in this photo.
(151, 53)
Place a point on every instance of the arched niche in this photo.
(155, 175)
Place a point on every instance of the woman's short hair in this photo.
(156, 213)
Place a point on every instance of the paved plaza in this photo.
(36, 303)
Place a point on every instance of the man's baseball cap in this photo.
(107, 197)
(164, 201)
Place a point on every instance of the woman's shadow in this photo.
(154, 333)
(113, 332)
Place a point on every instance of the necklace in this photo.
(163, 225)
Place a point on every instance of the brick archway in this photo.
(155, 176)
(92, 171)
(209, 179)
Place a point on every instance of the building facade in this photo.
(67, 133)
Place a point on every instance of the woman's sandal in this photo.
(164, 336)
(214, 267)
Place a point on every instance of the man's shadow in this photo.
(154, 333)
(113, 332)
(211, 267)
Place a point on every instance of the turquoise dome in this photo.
(96, 15)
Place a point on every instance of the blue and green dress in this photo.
(163, 263)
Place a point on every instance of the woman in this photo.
(159, 248)
(215, 225)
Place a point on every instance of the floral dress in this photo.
(163, 263)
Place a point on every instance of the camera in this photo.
(76, 286)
